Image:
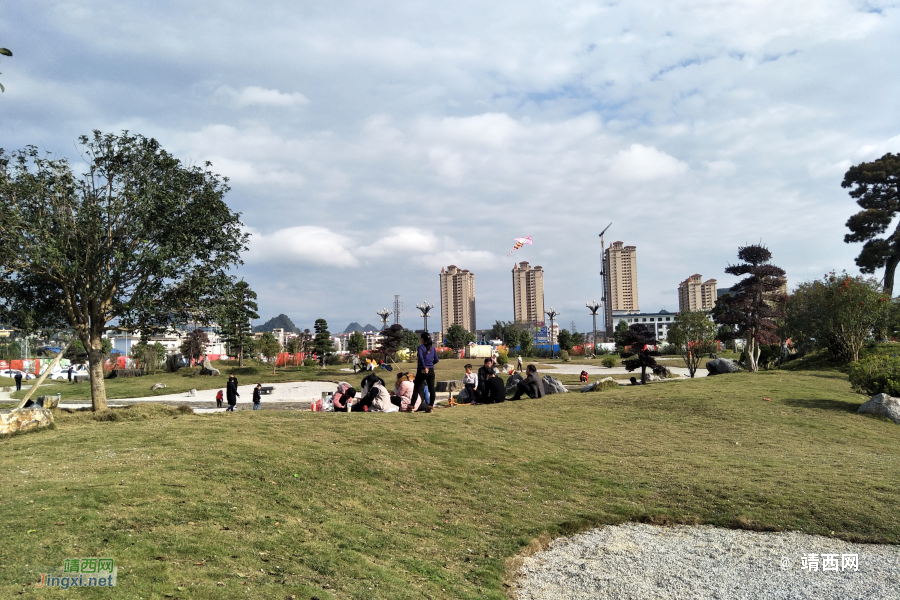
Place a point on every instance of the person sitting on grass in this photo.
(375, 396)
(470, 381)
(403, 393)
(496, 389)
(483, 374)
(584, 377)
(343, 396)
(532, 386)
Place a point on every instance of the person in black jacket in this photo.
(231, 393)
(532, 386)
(483, 374)
(257, 396)
(495, 389)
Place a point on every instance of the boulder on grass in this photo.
(208, 368)
(158, 386)
(23, 419)
(606, 382)
(722, 365)
(883, 406)
(514, 380)
(553, 386)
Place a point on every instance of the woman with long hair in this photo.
(426, 357)
(403, 392)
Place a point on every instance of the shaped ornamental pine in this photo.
(876, 187)
(636, 351)
(754, 303)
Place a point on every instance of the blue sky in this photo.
(370, 144)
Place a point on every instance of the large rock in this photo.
(553, 386)
(158, 386)
(882, 405)
(208, 368)
(23, 419)
(514, 380)
(722, 365)
(604, 383)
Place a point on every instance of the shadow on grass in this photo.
(824, 404)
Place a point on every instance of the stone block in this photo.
(23, 419)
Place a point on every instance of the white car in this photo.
(12, 373)
(62, 374)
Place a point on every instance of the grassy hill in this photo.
(275, 504)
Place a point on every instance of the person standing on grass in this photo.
(519, 364)
(426, 357)
(495, 389)
(70, 373)
(219, 399)
(532, 386)
(231, 393)
(257, 396)
(18, 378)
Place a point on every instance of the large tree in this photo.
(838, 313)
(269, 347)
(457, 337)
(390, 340)
(194, 344)
(755, 302)
(876, 188)
(694, 333)
(356, 343)
(135, 237)
(564, 339)
(322, 343)
(237, 308)
(637, 350)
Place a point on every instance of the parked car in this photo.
(12, 373)
(62, 373)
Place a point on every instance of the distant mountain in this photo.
(279, 322)
(354, 326)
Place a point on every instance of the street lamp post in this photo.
(593, 306)
(384, 314)
(552, 314)
(425, 308)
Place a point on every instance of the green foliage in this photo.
(236, 309)
(564, 339)
(136, 237)
(269, 347)
(636, 350)
(446, 354)
(619, 334)
(294, 345)
(357, 342)
(609, 362)
(390, 340)
(605, 384)
(694, 336)
(876, 189)
(525, 345)
(322, 343)
(876, 374)
(11, 350)
(564, 355)
(577, 338)
(334, 359)
(308, 362)
(408, 339)
(502, 356)
(837, 313)
(457, 337)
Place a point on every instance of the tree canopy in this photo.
(322, 343)
(755, 302)
(565, 340)
(269, 347)
(237, 309)
(694, 333)
(356, 343)
(194, 344)
(138, 237)
(838, 313)
(876, 188)
(457, 337)
(390, 340)
(636, 350)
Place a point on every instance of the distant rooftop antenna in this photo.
(398, 308)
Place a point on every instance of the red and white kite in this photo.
(521, 242)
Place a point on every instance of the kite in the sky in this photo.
(521, 242)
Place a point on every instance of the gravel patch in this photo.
(646, 562)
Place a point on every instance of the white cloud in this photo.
(257, 96)
(642, 163)
(306, 245)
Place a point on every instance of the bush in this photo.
(600, 351)
(605, 384)
(308, 362)
(334, 359)
(564, 355)
(609, 362)
(447, 354)
(876, 375)
(502, 356)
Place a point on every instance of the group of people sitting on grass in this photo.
(415, 392)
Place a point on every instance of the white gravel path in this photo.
(645, 562)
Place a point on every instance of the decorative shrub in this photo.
(502, 356)
(564, 355)
(609, 362)
(334, 359)
(442, 354)
(876, 375)
(308, 362)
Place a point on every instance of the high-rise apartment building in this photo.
(696, 294)
(619, 281)
(457, 298)
(528, 293)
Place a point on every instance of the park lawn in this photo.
(278, 503)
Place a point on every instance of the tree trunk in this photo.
(98, 385)
(752, 355)
(889, 268)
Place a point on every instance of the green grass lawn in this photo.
(275, 504)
